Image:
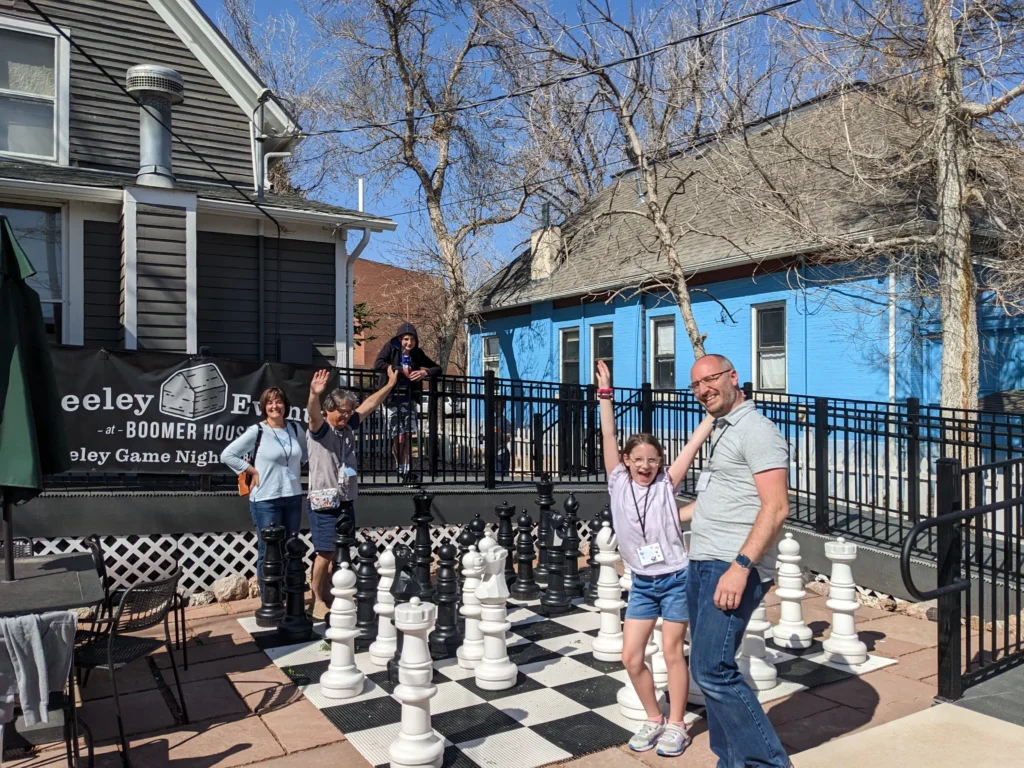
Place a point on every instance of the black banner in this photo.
(162, 413)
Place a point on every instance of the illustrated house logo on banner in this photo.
(194, 393)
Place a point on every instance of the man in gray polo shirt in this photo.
(742, 502)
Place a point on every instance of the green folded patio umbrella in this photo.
(32, 439)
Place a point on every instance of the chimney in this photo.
(545, 244)
(158, 88)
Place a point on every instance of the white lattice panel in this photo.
(206, 557)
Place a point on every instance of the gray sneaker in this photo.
(647, 736)
(673, 741)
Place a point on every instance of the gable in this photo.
(103, 121)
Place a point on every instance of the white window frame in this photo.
(485, 358)
(755, 360)
(561, 351)
(653, 345)
(61, 86)
(593, 346)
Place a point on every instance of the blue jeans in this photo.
(741, 734)
(286, 511)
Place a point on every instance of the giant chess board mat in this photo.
(562, 706)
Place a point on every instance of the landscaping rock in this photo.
(201, 598)
(920, 610)
(818, 588)
(233, 587)
(86, 614)
(254, 587)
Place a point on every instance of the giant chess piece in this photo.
(759, 673)
(555, 601)
(296, 626)
(342, 680)
(424, 547)
(571, 579)
(843, 646)
(479, 528)
(791, 631)
(472, 648)
(608, 643)
(545, 501)
(445, 639)
(417, 746)
(405, 588)
(629, 702)
(271, 610)
(495, 671)
(659, 669)
(344, 540)
(383, 648)
(366, 594)
(525, 587)
(626, 580)
(506, 537)
(466, 540)
(590, 593)
(696, 695)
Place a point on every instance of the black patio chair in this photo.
(22, 547)
(112, 645)
(112, 596)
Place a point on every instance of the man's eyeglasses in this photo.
(707, 381)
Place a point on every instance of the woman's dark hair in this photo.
(274, 393)
(644, 438)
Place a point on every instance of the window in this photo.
(664, 353)
(492, 354)
(39, 233)
(571, 356)
(770, 323)
(34, 68)
(602, 347)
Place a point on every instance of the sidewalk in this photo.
(246, 711)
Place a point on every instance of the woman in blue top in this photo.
(275, 475)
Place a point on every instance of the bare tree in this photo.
(394, 78)
(663, 95)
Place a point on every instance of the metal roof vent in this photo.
(158, 89)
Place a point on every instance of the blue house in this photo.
(778, 294)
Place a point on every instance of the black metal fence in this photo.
(979, 558)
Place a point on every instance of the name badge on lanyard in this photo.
(704, 480)
(650, 554)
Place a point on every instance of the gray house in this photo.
(139, 242)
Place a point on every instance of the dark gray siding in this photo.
(104, 122)
(160, 276)
(228, 295)
(102, 275)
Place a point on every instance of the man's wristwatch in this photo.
(743, 561)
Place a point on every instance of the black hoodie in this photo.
(391, 355)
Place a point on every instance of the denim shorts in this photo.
(654, 596)
(323, 524)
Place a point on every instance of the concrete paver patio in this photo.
(246, 711)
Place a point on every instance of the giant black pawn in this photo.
(404, 589)
(545, 501)
(507, 537)
(525, 588)
(422, 519)
(555, 601)
(479, 527)
(366, 594)
(572, 581)
(296, 626)
(344, 539)
(590, 593)
(271, 610)
(466, 540)
(445, 640)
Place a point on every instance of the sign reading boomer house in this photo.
(159, 413)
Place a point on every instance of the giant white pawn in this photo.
(629, 702)
(791, 631)
(843, 646)
(417, 746)
(607, 645)
(760, 673)
(658, 667)
(695, 695)
(472, 648)
(342, 680)
(383, 648)
(495, 671)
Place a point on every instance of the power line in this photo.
(166, 127)
(557, 80)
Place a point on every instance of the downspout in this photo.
(261, 318)
(643, 337)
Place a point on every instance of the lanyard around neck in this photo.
(714, 443)
(286, 451)
(647, 503)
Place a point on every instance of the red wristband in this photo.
(604, 390)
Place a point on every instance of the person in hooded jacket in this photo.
(403, 352)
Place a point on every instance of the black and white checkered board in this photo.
(562, 706)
